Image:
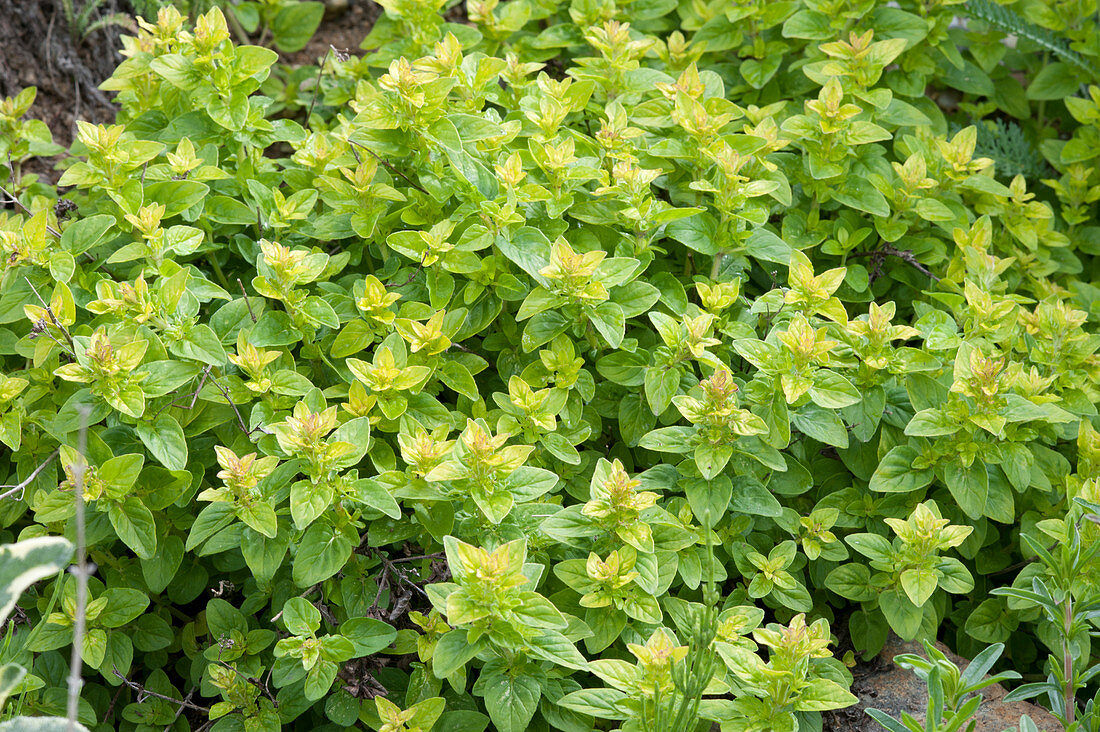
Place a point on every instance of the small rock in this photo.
(884, 685)
(335, 8)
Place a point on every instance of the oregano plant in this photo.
(580, 365)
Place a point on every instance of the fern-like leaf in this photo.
(1012, 151)
(121, 20)
(1013, 23)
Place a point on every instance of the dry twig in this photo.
(81, 570)
(21, 486)
(143, 692)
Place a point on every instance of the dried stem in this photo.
(142, 691)
(308, 592)
(397, 285)
(390, 166)
(255, 682)
(53, 317)
(81, 571)
(19, 204)
(889, 250)
(240, 419)
(317, 84)
(179, 710)
(437, 555)
(194, 397)
(21, 486)
(24, 209)
(247, 304)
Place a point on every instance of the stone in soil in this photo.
(883, 685)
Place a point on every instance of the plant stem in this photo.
(716, 268)
(20, 487)
(81, 571)
(237, 28)
(213, 259)
(1067, 663)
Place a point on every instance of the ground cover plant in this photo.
(580, 365)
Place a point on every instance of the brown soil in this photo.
(36, 49)
(880, 684)
(341, 30)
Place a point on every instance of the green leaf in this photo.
(459, 378)
(862, 196)
(610, 322)
(991, 622)
(623, 368)
(374, 494)
(554, 647)
(808, 24)
(200, 344)
(709, 498)
(874, 547)
(176, 68)
(543, 328)
(661, 384)
(10, 676)
(931, 423)
(527, 483)
(134, 524)
(902, 615)
(919, 584)
(969, 486)
(696, 233)
(164, 377)
(368, 635)
(319, 679)
(459, 720)
(511, 700)
(210, 520)
(355, 432)
(823, 425)
(93, 650)
(260, 516)
(223, 619)
(751, 498)
(852, 582)
(41, 724)
(300, 616)
(320, 312)
(535, 611)
(530, 249)
(176, 195)
(342, 709)
(712, 459)
(308, 500)
(768, 247)
(668, 439)
(165, 441)
(322, 552)
(264, 556)
(25, 562)
(1054, 81)
(226, 210)
(895, 474)
(82, 235)
(274, 328)
(832, 391)
(603, 703)
(819, 695)
(452, 652)
(253, 60)
(123, 606)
